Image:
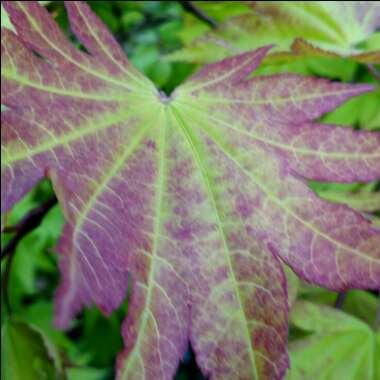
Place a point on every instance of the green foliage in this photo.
(150, 30)
(337, 345)
(25, 354)
(298, 30)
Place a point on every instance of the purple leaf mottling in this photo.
(194, 200)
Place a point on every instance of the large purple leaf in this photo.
(198, 195)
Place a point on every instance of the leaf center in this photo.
(166, 99)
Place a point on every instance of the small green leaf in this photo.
(362, 201)
(5, 22)
(24, 354)
(362, 111)
(339, 346)
(86, 374)
(40, 315)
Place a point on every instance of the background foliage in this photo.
(325, 342)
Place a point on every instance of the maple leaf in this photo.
(362, 201)
(198, 195)
(337, 330)
(311, 28)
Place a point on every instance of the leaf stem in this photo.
(190, 7)
(5, 282)
(28, 223)
(340, 300)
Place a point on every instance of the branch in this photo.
(340, 300)
(28, 223)
(5, 282)
(190, 7)
(375, 73)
